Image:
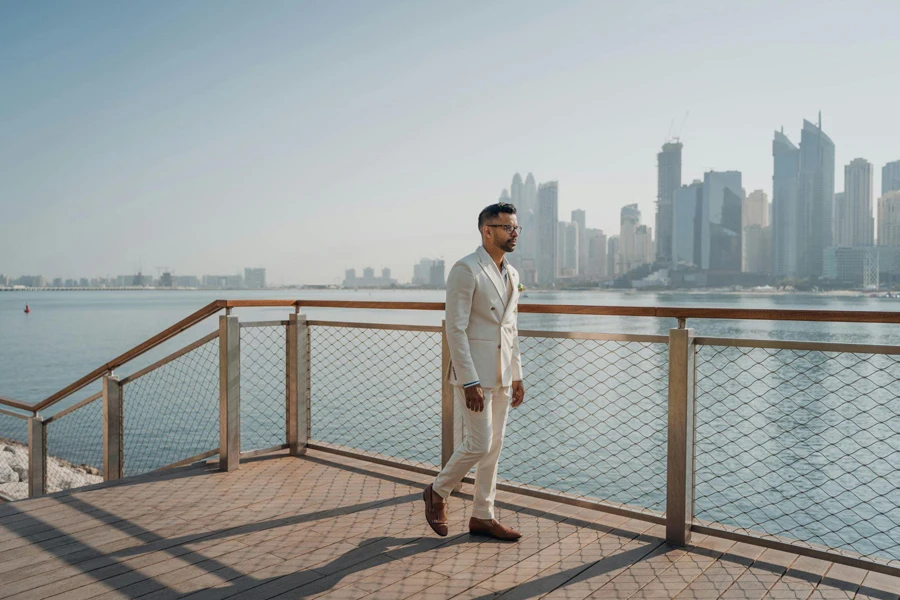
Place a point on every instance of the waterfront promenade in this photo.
(286, 458)
(324, 526)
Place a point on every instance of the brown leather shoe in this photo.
(435, 512)
(493, 528)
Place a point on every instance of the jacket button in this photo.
(492, 308)
(498, 345)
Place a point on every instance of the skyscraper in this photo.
(668, 179)
(756, 239)
(547, 238)
(816, 198)
(687, 202)
(630, 253)
(596, 254)
(720, 221)
(857, 221)
(890, 177)
(756, 209)
(841, 220)
(567, 249)
(579, 218)
(785, 206)
(889, 219)
(612, 253)
(517, 190)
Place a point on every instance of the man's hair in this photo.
(493, 211)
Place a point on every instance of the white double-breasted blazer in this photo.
(482, 322)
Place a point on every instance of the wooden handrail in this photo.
(165, 335)
(835, 316)
(15, 404)
(673, 312)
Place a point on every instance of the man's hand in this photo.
(474, 398)
(518, 393)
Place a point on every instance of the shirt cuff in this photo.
(465, 385)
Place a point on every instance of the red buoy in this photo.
(27, 310)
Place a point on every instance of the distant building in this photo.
(816, 199)
(785, 206)
(166, 280)
(548, 233)
(855, 223)
(57, 282)
(187, 281)
(84, 282)
(890, 177)
(567, 249)
(848, 265)
(255, 279)
(579, 218)
(612, 253)
(368, 280)
(436, 276)
(635, 241)
(720, 222)
(596, 264)
(756, 250)
(223, 282)
(36, 281)
(422, 272)
(757, 253)
(4, 280)
(668, 179)
(141, 280)
(889, 219)
(687, 202)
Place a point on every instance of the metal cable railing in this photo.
(792, 444)
(594, 421)
(171, 413)
(378, 391)
(801, 444)
(75, 447)
(14, 460)
(263, 385)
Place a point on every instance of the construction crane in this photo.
(675, 136)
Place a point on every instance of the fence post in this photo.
(298, 397)
(37, 456)
(680, 458)
(447, 419)
(229, 393)
(113, 429)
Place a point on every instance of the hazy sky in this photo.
(309, 137)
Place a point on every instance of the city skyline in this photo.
(318, 136)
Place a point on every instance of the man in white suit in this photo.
(485, 369)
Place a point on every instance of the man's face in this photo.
(497, 234)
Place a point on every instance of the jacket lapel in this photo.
(490, 269)
(514, 297)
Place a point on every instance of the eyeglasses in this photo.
(509, 228)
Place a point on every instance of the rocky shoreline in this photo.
(61, 474)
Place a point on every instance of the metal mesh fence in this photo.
(263, 386)
(14, 462)
(377, 391)
(594, 420)
(172, 413)
(75, 448)
(801, 444)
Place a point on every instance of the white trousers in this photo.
(480, 448)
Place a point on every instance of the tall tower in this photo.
(890, 177)
(579, 219)
(858, 220)
(816, 199)
(548, 233)
(668, 179)
(785, 206)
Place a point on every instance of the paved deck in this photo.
(329, 527)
